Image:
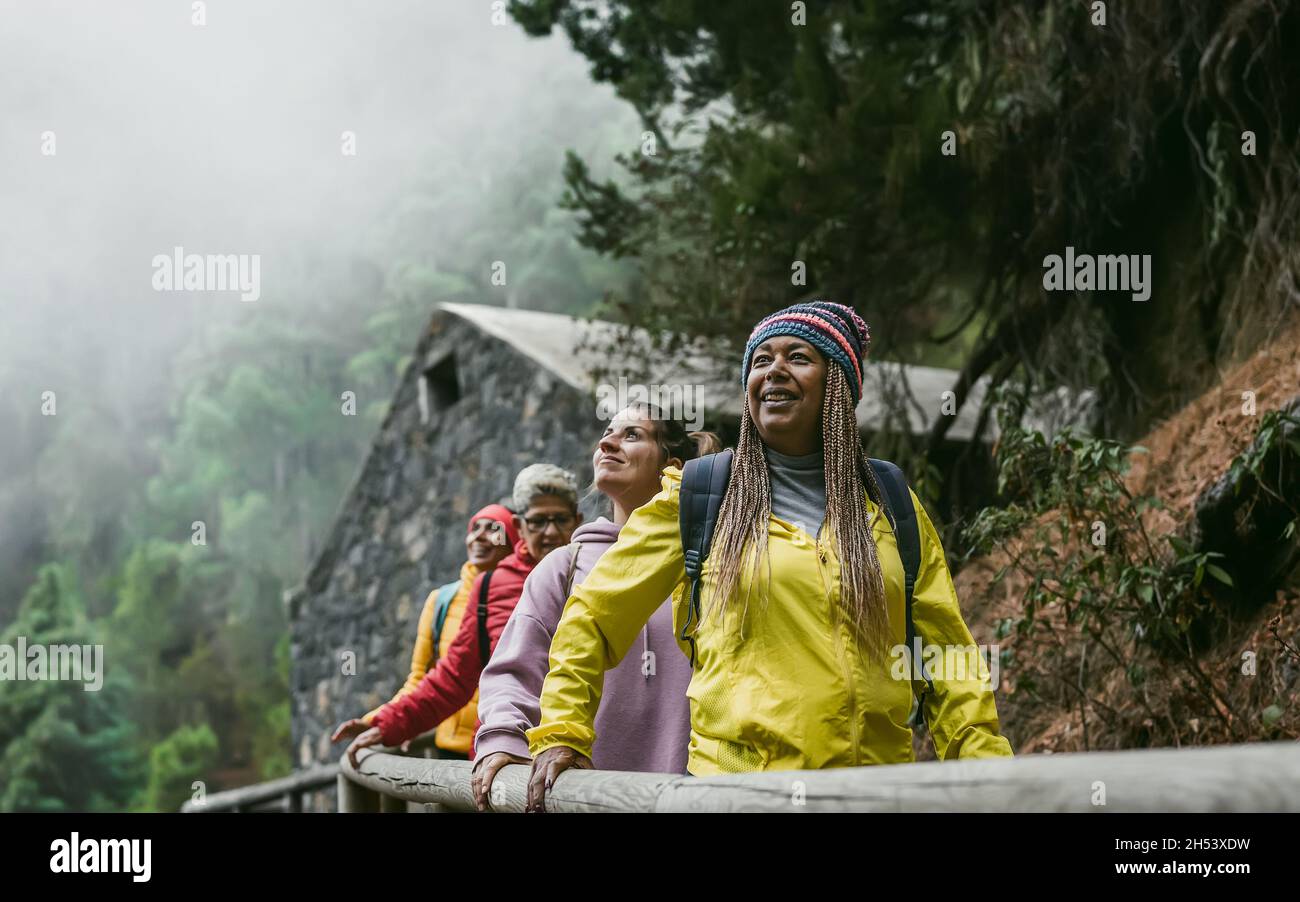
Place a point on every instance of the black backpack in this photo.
(484, 643)
(704, 483)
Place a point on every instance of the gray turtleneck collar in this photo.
(798, 488)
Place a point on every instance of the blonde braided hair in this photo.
(742, 528)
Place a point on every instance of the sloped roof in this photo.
(568, 347)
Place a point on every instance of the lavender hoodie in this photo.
(644, 722)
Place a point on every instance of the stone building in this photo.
(489, 390)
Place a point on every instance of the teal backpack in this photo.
(442, 604)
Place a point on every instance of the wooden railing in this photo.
(1256, 777)
(285, 794)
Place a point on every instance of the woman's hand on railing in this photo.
(485, 771)
(548, 765)
(370, 737)
(349, 729)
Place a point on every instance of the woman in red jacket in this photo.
(491, 537)
(547, 498)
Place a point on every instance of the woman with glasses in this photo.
(492, 535)
(547, 500)
(644, 723)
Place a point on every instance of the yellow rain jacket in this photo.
(456, 733)
(787, 696)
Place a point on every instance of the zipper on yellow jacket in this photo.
(842, 644)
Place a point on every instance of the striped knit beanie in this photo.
(836, 331)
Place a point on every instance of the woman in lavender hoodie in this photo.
(644, 723)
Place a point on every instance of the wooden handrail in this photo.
(1253, 777)
(287, 790)
(285, 793)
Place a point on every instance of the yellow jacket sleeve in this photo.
(961, 712)
(421, 657)
(604, 616)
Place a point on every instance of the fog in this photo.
(226, 138)
(310, 135)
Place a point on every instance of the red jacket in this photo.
(450, 685)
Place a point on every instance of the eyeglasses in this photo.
(539, 524)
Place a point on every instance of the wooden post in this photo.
(356, 799)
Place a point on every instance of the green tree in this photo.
(919, 159)
(176, 763)
(244, 430)
(64, 748)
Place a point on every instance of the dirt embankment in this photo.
(1187, 453)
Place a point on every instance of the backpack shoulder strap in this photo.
(704, 483)
(484, 641)
(441, 606)
(907, 533)
(573, 567)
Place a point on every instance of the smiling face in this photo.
(486, 545)
(786, 388)
(547, 524)
(628, 460)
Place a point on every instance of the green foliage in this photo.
(780, 142)
(1099, 591)
(241, 427)
(150, 633)
(243, 430)
(176, 763)
(271, 739)
(62, 748)
(1263, 464)
(810, 142)
(774, 143)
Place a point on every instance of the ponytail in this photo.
(705, 443)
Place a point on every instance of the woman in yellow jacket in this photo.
(797, 648)
(491, 536)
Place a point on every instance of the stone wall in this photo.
(401, 529)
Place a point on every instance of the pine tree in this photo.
(62, 748)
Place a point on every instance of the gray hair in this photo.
(543, 479)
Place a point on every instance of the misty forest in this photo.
(683, 167)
